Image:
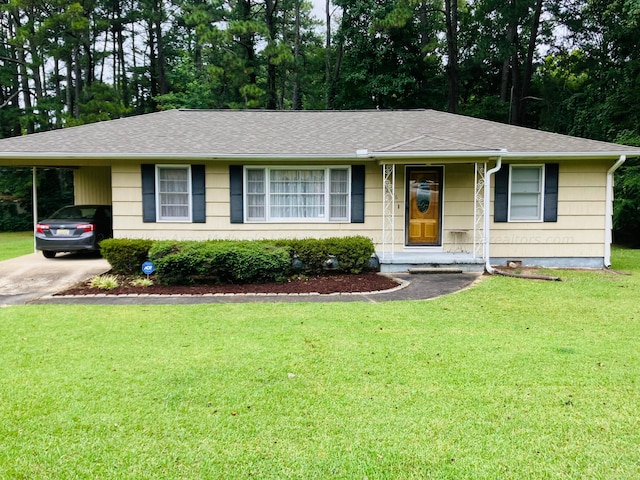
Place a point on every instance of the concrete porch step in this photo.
(434, 270)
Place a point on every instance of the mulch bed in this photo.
(324, 284)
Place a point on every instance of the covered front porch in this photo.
(433, 215)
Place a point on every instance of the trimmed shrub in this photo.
(351, 253)
(217, 261)
(225, 261)
(125, 255)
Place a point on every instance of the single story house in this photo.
(429, 188)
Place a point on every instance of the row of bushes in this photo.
(226, 261)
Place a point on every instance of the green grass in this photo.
(15, 244)
(511, 379)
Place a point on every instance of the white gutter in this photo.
(389, 157)
(361, 154)
(21, 156)
(609, 211)
(487, 210)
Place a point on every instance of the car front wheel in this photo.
(48, 254)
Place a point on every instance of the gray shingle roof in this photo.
(228, 133)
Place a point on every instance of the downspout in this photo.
(487, 208)
(609, 211)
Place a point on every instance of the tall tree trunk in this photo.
(163, 85)
(296, 100)
(453, 80)
(90, 71)
(516, 87)
(69, 103)
(272, 93)
(153, 62)
(24, 86)
(247, 41)
(13, 89)
(78, 81)
(528, 67)
(327, 60)
(505, 90)
(333, 69)
(24, 75)
(137, 94)
(58, 90)
(36, 65)
(122, 65)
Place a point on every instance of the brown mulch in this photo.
(323, 284)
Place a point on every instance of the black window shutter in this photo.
(357, 194)
(148, 192)
(501, 195)
(199, 214)
(235, 189)
(551, 192)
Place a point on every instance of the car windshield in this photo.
(75, 213)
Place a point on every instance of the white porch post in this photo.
(388, 210)
(479, 210)
(608, 229)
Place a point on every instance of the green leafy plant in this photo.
(141, 282)
(105, 282)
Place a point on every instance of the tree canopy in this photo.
(567, 67)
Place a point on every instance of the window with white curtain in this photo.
(297, 194)
(526, 193)
(174, 193)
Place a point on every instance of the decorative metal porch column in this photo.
(479, 210)
(388, 210)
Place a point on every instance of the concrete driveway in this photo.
(30, 277)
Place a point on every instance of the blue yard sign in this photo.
(148, 268)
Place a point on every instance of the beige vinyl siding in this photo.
(458, 208)
(92, 185)
(127, 206)
(579, 231)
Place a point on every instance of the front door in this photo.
(424, 210)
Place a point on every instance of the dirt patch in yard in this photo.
(323, 284)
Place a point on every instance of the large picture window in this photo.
(295, 194)
(174, 193)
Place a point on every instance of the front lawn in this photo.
(510, 379)
(15, 244)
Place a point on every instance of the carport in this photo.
(91, 184)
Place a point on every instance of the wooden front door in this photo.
(424, 210)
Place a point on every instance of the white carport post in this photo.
(35, 204)
(388, 210)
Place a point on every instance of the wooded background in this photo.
(570, 67)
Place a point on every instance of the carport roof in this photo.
(281, 134)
